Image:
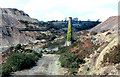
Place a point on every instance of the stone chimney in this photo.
(69, 32)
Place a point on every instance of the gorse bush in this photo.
(19, 58)
(62, 50)
(93, 33)
(19, 61)
(37, 54)
(28, 50)
(17, 48)
(70, 60)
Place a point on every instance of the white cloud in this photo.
(54, 15)
(13, 4)
(102, 13)
(59, 9)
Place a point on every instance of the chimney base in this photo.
(67, 43)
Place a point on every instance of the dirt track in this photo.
(47, 65)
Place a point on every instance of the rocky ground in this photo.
(47, 65)
(93, 64)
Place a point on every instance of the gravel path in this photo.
(47, 65)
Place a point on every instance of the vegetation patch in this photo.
(113, 56)
(53, 45)
(37, 54)
(93, 33)
(17, 60)
(72, 56)
(71, 61)
(82, 49)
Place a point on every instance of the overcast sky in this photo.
(45, 10)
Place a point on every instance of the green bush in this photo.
(52, 45)
(93, 33)
(67, 49)
(18, 46)
(37, 54)
(28, 50)
(41, 51)
(70, 60)
(18, 61)
(62, 50)
(11, 48)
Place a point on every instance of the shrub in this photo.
(18, 61)
(11, 48)
(67, 49)
(70, 60)
(52, 45)
(41, 51)
(28, 50)
(37, 54)
(93, 33)
(18, 46)
(62, 50)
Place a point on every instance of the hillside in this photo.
(93, 46)
(110, 23)
(107, 38)
(17, 23)
(85, 56)
(10, 24)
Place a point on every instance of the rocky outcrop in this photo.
(12, 17)
(10, 24)
(17, 14)
(12, 36)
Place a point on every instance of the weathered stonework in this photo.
(67, 43)
(69, 33)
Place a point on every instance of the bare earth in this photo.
(47, 65)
